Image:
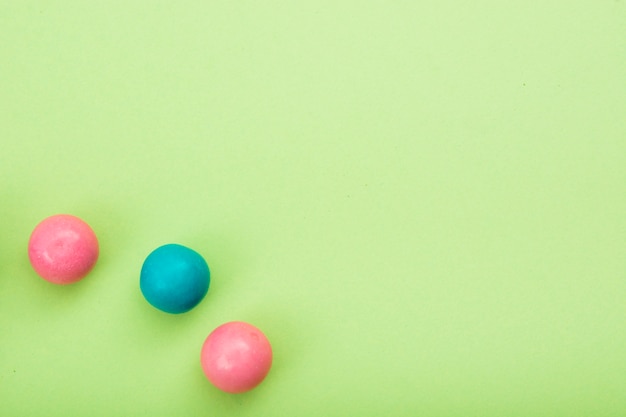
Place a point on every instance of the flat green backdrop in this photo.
(422, 204)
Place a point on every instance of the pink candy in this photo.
(63, 249)
(236, 357)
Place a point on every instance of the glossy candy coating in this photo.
(236, 357)
(174, 278)
(63, 249)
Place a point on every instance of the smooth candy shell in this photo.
(63, 249)
(174, 278)
(236, 357)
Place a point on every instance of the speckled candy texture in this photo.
(236, 357)
(63, 249)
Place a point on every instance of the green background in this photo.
(422, 204)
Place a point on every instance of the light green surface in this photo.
(422, 204)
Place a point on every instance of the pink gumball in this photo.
(63, 249)
(236, 357)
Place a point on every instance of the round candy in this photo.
(174, 278)
(236, 357)
(63, 249)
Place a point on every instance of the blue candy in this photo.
(174, 278)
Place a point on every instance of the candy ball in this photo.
(236, 357)
(63, 249)
(174, 278)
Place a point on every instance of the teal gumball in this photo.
(174, 278)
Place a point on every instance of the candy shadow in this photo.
(145, 324)
(289, 347)
(224, 257)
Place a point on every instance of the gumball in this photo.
(63, 249)
(236, 357)
(174, 278)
